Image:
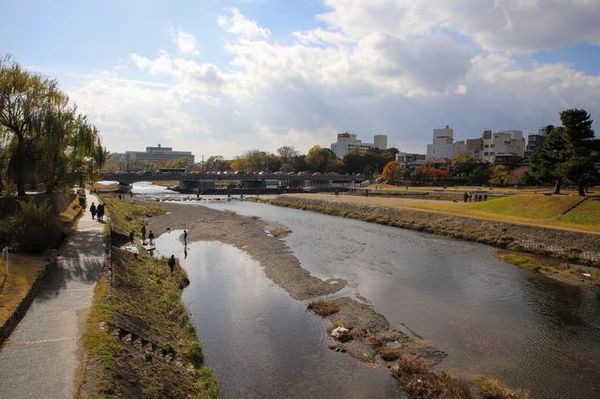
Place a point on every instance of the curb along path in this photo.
(40, 358)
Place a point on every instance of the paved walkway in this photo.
(40, 358)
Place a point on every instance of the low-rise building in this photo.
(349, 143)
(158, 155)
(443, 146)
(534, 141)
(505, 143)
(405, 158)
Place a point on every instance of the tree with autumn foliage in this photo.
(392, 172)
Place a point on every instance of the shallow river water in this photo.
(490, 317)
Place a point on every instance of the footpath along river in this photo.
(490, 317)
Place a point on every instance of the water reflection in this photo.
(259, 341)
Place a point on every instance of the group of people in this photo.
(97, 212)
(470, 197)
(144, 231)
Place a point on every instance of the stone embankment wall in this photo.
(569, 245)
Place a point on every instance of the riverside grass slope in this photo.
(139, 341)
(527, 209)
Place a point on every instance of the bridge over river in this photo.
(209, 182)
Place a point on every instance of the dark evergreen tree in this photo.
(583, 149)
(546, 159)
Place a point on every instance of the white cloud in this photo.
(238, 24)
(403, 70)
(187, 43)
(496, 25)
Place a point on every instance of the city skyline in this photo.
(226, 77)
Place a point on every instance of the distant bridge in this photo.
(200, 181)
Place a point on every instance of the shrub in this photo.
(419, 382)
(34, 228)
(195, 355)
(491, 388)
(324, 308)
(389, 354)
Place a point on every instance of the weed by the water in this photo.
(324, 308)
(389, 354)
(491, 388)
(421, 383)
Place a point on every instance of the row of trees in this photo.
(43, 138)
(317, 159)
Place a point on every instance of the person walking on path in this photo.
(100, 212)
(93, 210)
(172, 263)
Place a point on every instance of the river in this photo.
(490, 317)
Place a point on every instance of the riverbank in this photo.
(138, 340)
(570, 245)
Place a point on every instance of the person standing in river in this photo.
(185, 237)
(93, 210)
(151, 237)
(171, 263)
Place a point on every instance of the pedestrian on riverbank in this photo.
(185, 237)
(151, 237)
(143, 233)
(172, 263)
(93, 210)
(131, 236)
(465, 196)
(485, 197)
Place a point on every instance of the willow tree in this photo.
(47, 140)
(55, 128)
(23, 97)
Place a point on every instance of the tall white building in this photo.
(443, 145)
(349, 143)
(502, 143)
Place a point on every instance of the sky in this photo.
(223, 77)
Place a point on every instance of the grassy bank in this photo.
(554, 268)
(555, 212)
(139, 340)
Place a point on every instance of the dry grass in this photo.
(421, 383)
(390, 354)
(324, 308)
(524, 209)
(71, 211)
(491, 388)
(23, 271)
